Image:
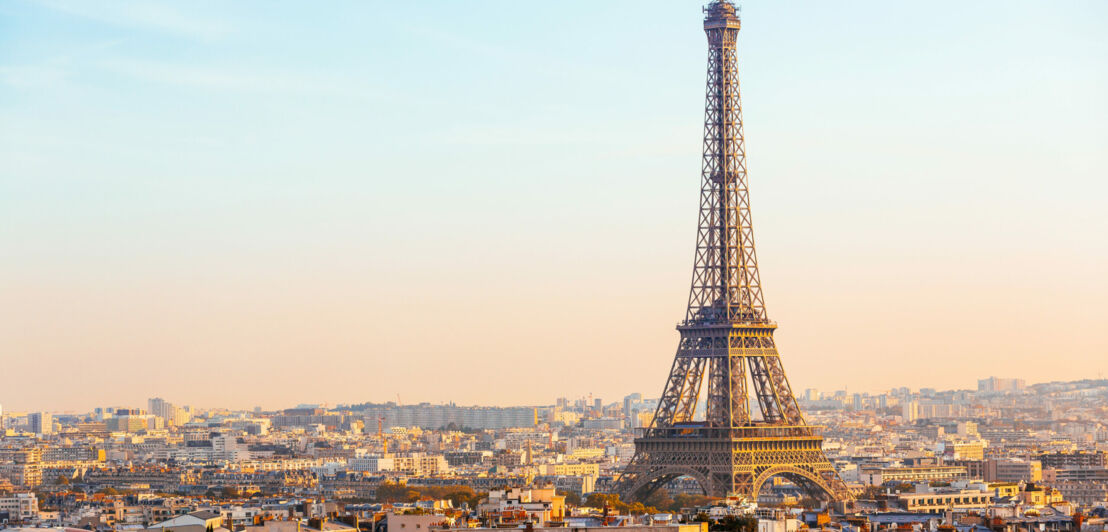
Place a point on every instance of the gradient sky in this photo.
(269, 203)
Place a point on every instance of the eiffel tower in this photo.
(726, 338)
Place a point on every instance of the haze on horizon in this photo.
(495, 203)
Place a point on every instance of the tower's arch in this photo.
(648, 482)
(813, 484)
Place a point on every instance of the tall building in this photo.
(173, 415)
(910, 411)
(158, 407)
(42, 423)
(631, 405)
(726, 353)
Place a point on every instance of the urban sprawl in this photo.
(1005, 457)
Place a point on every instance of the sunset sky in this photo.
(271, 203)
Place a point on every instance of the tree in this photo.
(392, 492)
(809, 503)
(685, 500)
(734, 524)
(460, 495)
(611, 500)
(573, 499)
(659, 499)
(62, 480)
(872, 493)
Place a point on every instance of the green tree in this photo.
(685, 500)
(392, 492)
(573, 499)
(809, 503)
(611, 500)
(734, 524)
(659, 499)
(460, 495)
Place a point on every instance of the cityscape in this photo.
(1010, 454)
(721, 442)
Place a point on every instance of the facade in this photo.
(538, 506)
(26, 475)
(881, 475)
(41, 423)
(998, 385)
(1010, 470)
(1077, 460)
(942, 501)
(416, 465)
(20, 507)
(965, 450)
(975, 469)
(583, 469)
(1075, 475)
(73, 453)
(1088, 492)
(438, 416)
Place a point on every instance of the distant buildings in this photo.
(172, 415)
(998, 385)
(437, 416)
(1013, 470)
(21, 507)
(42, 423)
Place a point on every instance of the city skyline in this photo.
(247, 209)
(587, 398)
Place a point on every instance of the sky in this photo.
(273, 203)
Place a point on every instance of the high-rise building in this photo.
(158, 407)
(173, 415)
(631, 405)
(41, 423)
(910, 411)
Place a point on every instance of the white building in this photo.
(417, 464)
(20, 506)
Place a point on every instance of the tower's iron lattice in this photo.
(726, 340)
